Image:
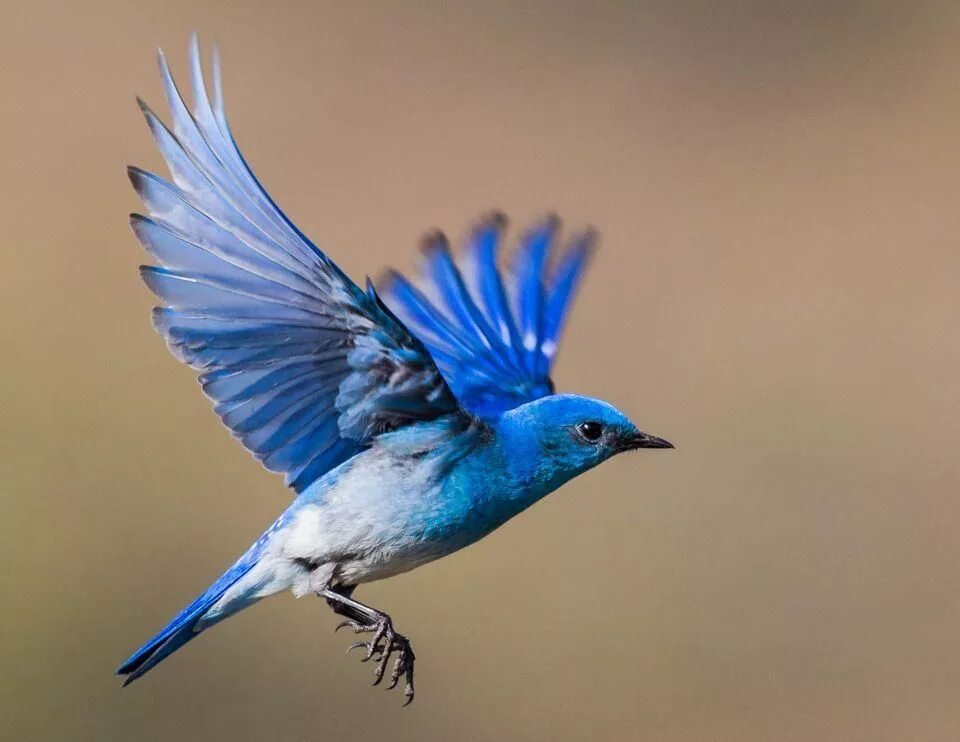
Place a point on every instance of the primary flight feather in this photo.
(409, 423)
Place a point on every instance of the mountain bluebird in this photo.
(409, 422)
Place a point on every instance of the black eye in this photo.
(590, 430)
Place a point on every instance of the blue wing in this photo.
(494, 342)
(302, 365)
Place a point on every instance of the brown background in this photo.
(776, 185)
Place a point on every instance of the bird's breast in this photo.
(384, 514)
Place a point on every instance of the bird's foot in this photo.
(383, 645)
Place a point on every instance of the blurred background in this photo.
(776, 292)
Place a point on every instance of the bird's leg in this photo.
(362, 618)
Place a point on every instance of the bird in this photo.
(410, 418)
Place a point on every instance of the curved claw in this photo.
(397, 669)
(357, 628)
(403, 666)
(383, 634)
(382, 646)
(390, 646)
(372, 649)
(377, 674)
(382, 664)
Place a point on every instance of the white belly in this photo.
(365, 525)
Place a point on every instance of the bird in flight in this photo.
(410, 420)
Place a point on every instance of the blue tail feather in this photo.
(184, 627)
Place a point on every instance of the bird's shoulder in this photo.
(411, 459)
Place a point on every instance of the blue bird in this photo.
(409, 422)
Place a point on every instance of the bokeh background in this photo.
(776, 186)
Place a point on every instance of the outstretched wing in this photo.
(494, 342)
(303, 366)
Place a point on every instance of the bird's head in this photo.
(555, 438)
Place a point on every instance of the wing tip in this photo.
(538, 239)
(549, 222)
(388, 278)
(140, 180)
(154, 275)
(487, 230)
(586, 241)
(493, 219)
(434, 240)
(136, 174)
(138, 224)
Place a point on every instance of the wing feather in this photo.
(494, 346)
(303, 366)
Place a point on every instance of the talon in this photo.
(357, 628)
(398, 667)
(382, 646)
(371, 651)
(384, 631)
(378, 671)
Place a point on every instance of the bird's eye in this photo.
(590, 430)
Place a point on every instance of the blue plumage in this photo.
(184, 625)
(409, 426)
(493, 352)
(180, 630)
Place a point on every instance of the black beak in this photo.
(642, 440)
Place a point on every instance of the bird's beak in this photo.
(643, 440)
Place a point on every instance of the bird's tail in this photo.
(190, 621)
